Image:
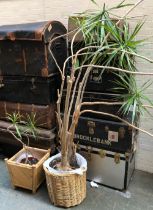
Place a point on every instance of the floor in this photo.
(138, 197)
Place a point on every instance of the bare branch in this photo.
(130, 10)
(148, 106)
(59, 99)
(100, 103)
(73, 39)
(135, 54)
(74, 91)
(50, 43)
(115, 69)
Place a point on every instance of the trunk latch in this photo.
(91, 126)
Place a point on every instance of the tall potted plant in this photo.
(103, 48)
(26, 167)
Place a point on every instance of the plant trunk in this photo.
(71, 151)
(64, 161)
(26, 153)
(68, 158)
(64, 151)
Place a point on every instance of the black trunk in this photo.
(29, 90)
(105, 134)
(24, 48)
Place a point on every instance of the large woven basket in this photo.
(66, 189)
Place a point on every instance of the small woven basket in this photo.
(66, 190)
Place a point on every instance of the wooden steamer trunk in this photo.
(24, 48)
(97, 82)
(24, 175)
(46, 138)
(29, 90)
(102, 131)
(105, 134)
(44, 115)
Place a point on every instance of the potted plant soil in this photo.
(108, 47)
(26, 167)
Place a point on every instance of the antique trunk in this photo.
(24, 48)
(30, 90)
(44, 115)
(100, 81)
(45, 138)
(105, 134)
(104, 131)
(109, 168)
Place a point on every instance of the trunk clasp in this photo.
(91, 126)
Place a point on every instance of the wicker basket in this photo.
(66, 190)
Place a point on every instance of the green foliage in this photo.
(31, 124)
(15, 118)
(93, 1)
(125, 45)
(118, 49)
(120, 5)
(23, 127)
(134, 96)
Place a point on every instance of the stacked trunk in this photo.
(107, 143)
(29, 78)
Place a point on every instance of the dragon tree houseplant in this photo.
(108, 47)
(25, 167)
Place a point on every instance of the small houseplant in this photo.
(98, 51)
(25, 167)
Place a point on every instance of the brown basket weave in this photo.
(66, 189)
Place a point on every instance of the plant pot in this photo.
(25, 175)
(66, 188)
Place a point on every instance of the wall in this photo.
(19, 11)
